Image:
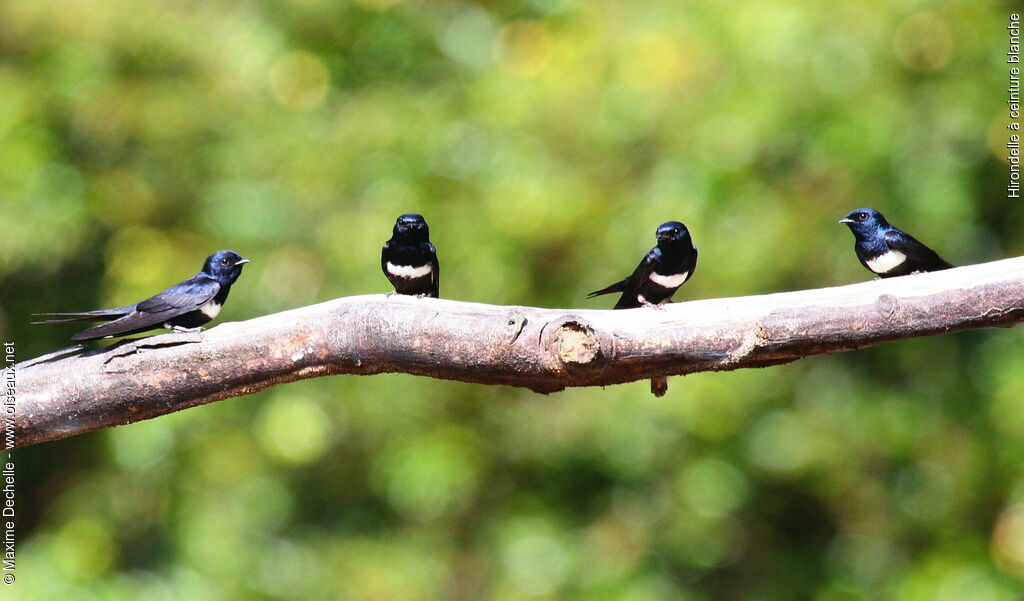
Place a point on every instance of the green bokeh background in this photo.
(544, 140)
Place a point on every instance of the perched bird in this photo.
(887, 251)
(182, 307)
(662, 271)
(409, 260)
(657, 277)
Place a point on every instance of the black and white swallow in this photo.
(663, 270)
(409, 260)
(888, 251)
(182, 307)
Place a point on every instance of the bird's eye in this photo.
(223, 261)
(862, 216)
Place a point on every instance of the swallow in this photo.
(183, 307)
(409, 260)
(663, 270)
(888, 251)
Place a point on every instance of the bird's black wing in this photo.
(156, 310)
(693, 267)
(384, 259)
(181, 298)
(616, 287)
(435, 272)
(630, 286)
(903, 242)
(640, 276)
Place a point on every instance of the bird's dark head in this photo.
(224, 265)
(672, 231)
(864, 221)
(412, 226)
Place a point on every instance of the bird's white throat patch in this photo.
(887, 262)
(409, 271)
(210, 308)
(669, 281)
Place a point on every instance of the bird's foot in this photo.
(647, 303)
(183, 330)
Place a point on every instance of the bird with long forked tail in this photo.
(182, 307)
(662, 271)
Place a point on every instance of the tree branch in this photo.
(542, 349)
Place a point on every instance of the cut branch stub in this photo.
(577, 344)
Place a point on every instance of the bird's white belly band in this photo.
(210, 308)
(887, 262)
(408, 271)
(669, 281)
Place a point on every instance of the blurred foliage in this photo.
(544, 140)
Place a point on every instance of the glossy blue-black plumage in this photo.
(180, 306)
(673, 257)
(662, 271)
(888, 251)
(409, 260)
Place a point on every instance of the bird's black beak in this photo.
(846, 220)
(241, 262)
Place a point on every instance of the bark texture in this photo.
(542, 349)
